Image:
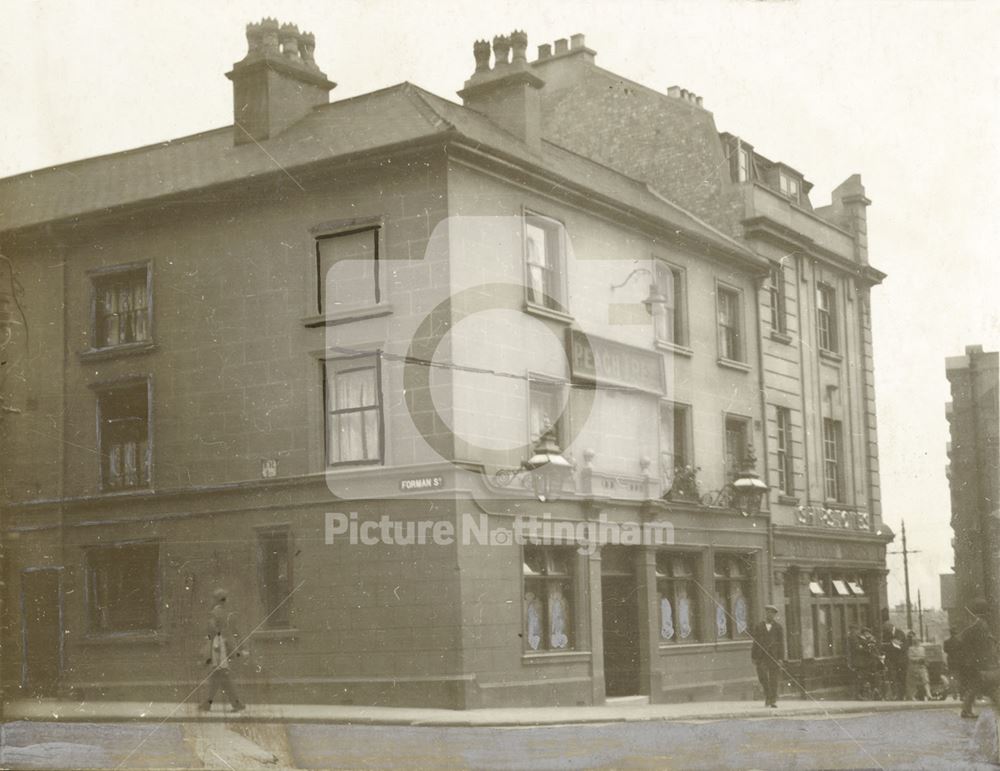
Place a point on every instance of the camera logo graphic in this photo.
(460, 353)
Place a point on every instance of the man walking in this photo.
(219, 650)
(894, 648)
(767, 653)
(978, 648)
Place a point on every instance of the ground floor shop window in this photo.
(122, 587)
(838, 601)
(733, 595)
(678, 597)
(548, 597)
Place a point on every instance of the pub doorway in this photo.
(620, 603)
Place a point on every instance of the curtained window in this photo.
(121, 307)
(354, 410)
(548, 597)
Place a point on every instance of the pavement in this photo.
(625, 710)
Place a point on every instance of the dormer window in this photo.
(789, 186)
(743, 165)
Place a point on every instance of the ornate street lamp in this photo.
(655, 296)
(745, 493)
(748, 488)
(546, 471)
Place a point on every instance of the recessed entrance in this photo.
(41, 618)
(620, 602)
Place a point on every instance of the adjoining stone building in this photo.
(974, 478)
(346, 358)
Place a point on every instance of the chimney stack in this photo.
(277, 83)
(508, 94)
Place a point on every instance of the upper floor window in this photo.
(730, 324)
(347, 266)
(548, 597)
(353, 410)
(786, 468)
(776, 293)
(123, 436)
(832, 459)
(274, 555)
(121, 306)
(671, 319)
(123, 583)
(545, 404)
(743, 164)
(826, 317)
(789, 186)
(676, 450)
(544, 256)
(737, 444)
(677, 589)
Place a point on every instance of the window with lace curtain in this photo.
(121, 307)
(123, 436)
(354, 431)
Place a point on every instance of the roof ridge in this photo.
(417, 96)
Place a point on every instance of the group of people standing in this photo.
(972, 659)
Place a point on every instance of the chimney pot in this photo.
(576, 41)
(699, 101)
(562, 46)
(289, 38)
(545, 51)
(501, 51)
(269, 36)
(519, 44)
(674, 91)
(307, 47)
(481, 51)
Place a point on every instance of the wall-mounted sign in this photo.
(606, 362)
(421, 483)
(833, 551)
(838, 518)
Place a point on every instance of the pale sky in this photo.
(904, 93)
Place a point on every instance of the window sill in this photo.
(742, 366)
(788, 500)
(291, 633)
(347, 316)
(691, 647)
(547, 313)
(830, 355)
(682, 350)
(555, 657)
(123, 638)
(125, 491)
(110, 352)
(781, 337)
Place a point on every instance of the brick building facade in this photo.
(237, 349)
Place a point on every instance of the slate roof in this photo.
(394, 116)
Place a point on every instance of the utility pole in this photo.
(906, 576)
(920, 614)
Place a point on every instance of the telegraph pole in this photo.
(906, 576)
(920, 614)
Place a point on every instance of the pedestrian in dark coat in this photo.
(895, 649)
(768, 653)
(979, 653)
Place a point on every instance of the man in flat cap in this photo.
(768, 652)
(220, 649)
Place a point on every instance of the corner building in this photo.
(236, 350)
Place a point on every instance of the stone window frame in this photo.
(115, 274)
(89, 550)
(379, 407)
(102, 390)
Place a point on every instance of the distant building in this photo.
(974, 458)
(254, 356)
